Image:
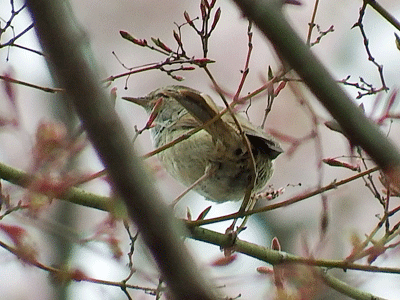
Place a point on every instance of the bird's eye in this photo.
(238, 151)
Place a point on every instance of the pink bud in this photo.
(265, 270)
(187, 18)
(178, 38)
(275, 245)
(224, 261)
(216, 18)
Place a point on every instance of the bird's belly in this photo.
(188, 160)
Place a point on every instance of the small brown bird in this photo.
(219, 151)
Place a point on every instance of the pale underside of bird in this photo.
(218, 154)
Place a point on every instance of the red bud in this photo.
(130, 38)
(203, 214)
(206, 4)
(187, 18)
(279, 88)
(265, 270)
(160, 44)
(224, 261)
(275, 245)
(203, 10)
(178, 39)
(216, 18)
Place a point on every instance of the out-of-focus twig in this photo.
(384, 13)
(31, 85)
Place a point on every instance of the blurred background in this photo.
(352, 209)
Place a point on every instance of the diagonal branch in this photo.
(69, 56)
(268, 16)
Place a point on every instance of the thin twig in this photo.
(285, 203)
(311, 25)
(360, 25)
(45, 89)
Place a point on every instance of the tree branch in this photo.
(277, 258)
(268, 16)
(69, 56)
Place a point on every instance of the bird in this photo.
(216, 160)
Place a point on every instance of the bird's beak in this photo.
(142, 101)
